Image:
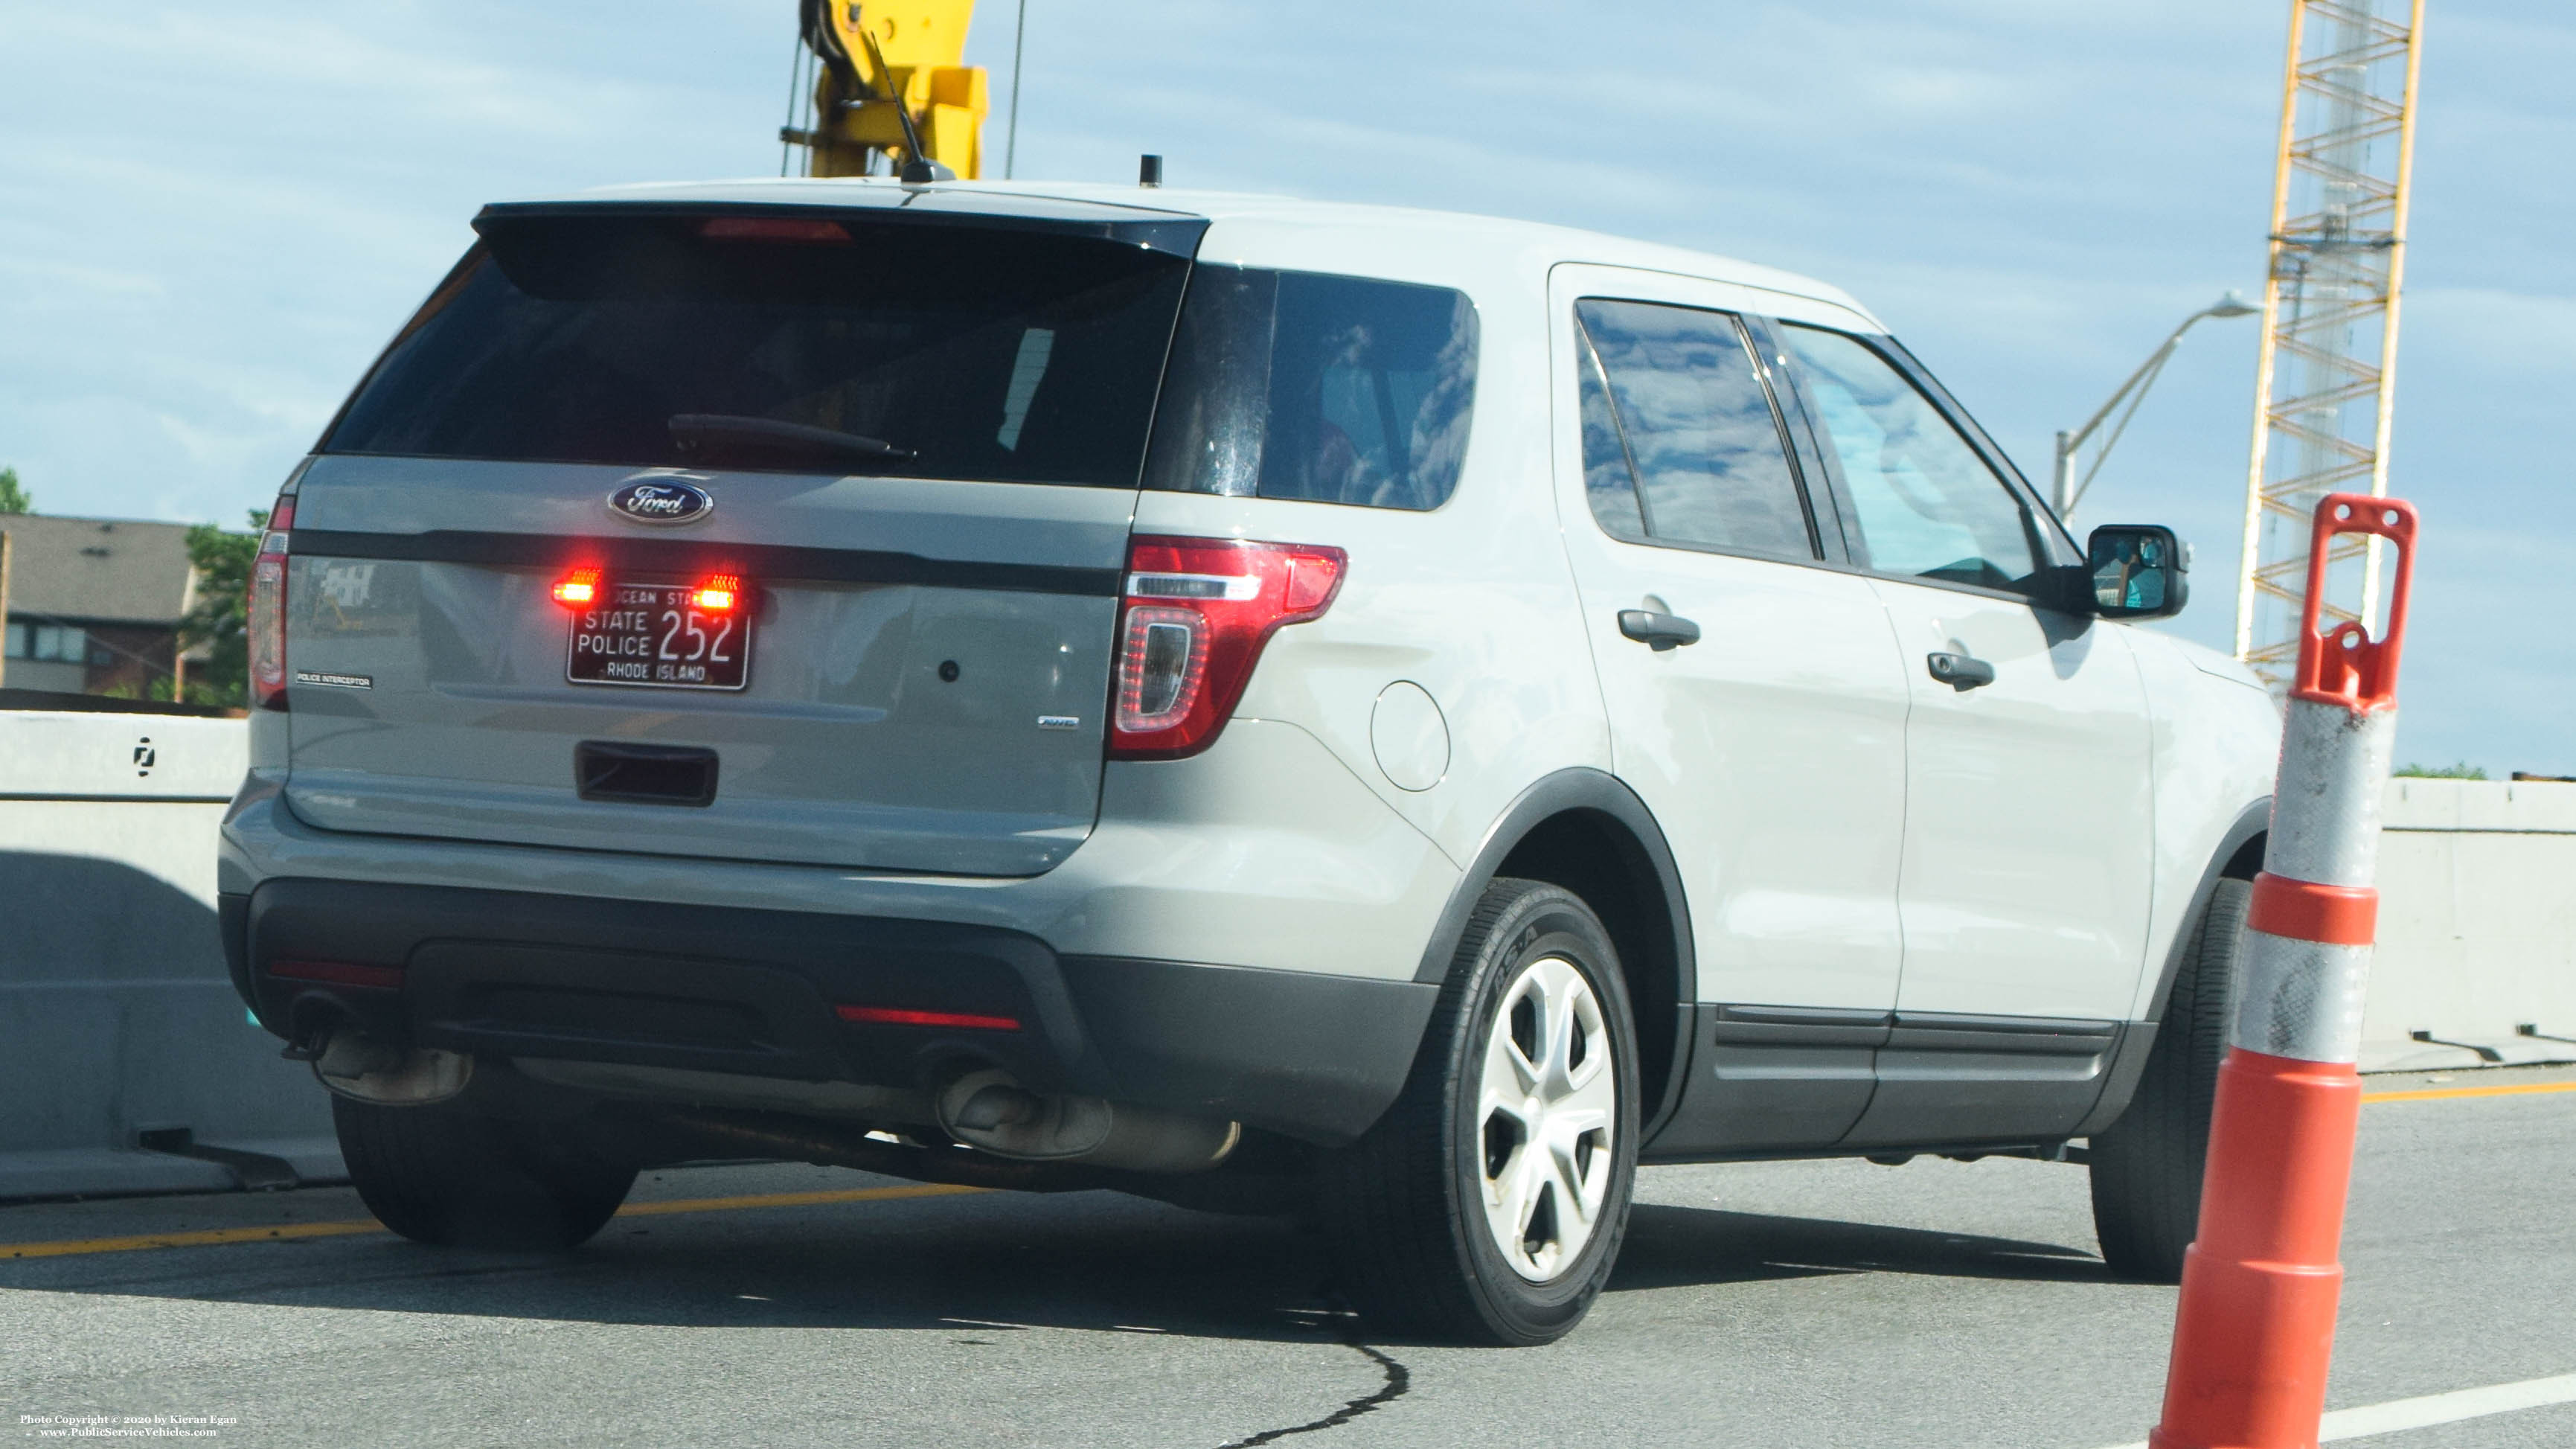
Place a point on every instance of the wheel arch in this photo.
(2238, 856)
(1585, 831)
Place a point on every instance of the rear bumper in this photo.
(757, 992)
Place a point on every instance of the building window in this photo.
(65, 643)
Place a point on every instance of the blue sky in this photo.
(211, 217)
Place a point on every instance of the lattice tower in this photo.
(2325, 385)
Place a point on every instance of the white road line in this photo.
(2401, 1414)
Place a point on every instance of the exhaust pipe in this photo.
(990, 1110)
(362, 1070)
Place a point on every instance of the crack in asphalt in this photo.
(1398, 1378)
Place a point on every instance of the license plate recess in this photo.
(660, 636)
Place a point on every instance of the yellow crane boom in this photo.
(891, 81)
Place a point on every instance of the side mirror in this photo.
(2139, 571)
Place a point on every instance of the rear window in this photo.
(804, 344)
(1324, 388)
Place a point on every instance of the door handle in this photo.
(1961, 672)
(1658, 632)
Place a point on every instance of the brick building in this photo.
(93, 604)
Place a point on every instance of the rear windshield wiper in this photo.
(700, 435)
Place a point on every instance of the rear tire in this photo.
(2147, 1167)
(1488, 1205)
(446, 1175)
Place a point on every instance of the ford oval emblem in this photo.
(661, 500)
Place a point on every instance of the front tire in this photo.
(2147, 1167)
(447, 1175)
(1489, 1203)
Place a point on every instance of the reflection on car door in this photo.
(1772, 748)
(2028, 850)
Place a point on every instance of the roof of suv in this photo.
(1102, 202)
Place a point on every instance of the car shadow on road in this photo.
(977, 1265)
(1673, 1246)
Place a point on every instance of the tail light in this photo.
(266, 625)
(1191, 626)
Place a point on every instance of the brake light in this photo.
(578, 589)
(266, 608)
(717, 595)
(1196, 614)
(771, 228)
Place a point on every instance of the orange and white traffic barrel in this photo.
(2255, 1328)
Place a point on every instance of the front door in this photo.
(2029, 847)
(1771, 748)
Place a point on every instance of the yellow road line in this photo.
(279, 1231)
(285, 1231)
(791, 1199)
(2518, 1089)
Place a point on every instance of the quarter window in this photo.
(1926, 504)
(1675, 402)
(1322, 388)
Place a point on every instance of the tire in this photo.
(2147, 1167)
(1409, 1212)
(449, 1176)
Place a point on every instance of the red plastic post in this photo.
(2254, 1332)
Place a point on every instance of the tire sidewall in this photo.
(1546, 922)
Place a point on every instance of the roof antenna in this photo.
(918, 169)
(1149, 170)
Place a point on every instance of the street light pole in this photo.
(2064, 491)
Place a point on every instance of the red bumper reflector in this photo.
(898, 1016)
(340, 973)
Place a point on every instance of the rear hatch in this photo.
(737, 532)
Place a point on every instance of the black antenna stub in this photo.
(1149, 170)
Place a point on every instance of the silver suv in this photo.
(1389, 717)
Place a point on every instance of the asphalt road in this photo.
(1810, 1304)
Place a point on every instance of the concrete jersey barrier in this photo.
(2477, 926)
(117, 1023)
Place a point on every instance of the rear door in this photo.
(1772, 749)
(776, 535)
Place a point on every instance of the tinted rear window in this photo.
(987, 354)
(1324, 388)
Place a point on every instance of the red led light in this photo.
(771, 228)
(717, 595)
(898, 1016)
(578, 589)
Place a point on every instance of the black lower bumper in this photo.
(773, 994)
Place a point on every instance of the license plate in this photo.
(656, 636)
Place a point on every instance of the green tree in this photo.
(14, 499)
(222, 614)
(2461, 771)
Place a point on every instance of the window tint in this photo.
(990, 354)
(1699, 430)
(1329, 389)
(1926, 504)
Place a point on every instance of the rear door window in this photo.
(832, 344)
(1927, 506)
(1681, 441)
(1324, 388)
